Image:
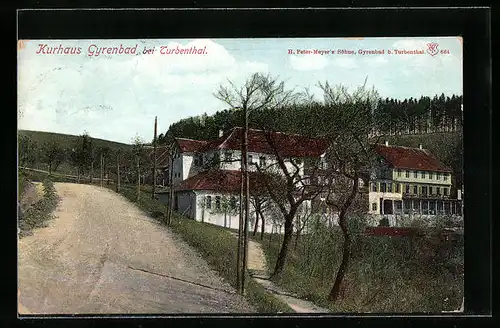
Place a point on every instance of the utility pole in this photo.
(239, 256)
(154, 161)
(247, 200)
(244, 209)
(170, 185)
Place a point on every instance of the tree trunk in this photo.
(262, 228)
(287, 238)
(297, 236)
(91, 171)
(346, 247)
(77, 175)
(256, 225)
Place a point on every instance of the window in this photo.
(415, 174)
(399, 173)
(415, 190)
(250, 159)
(398, 187)
(445, 176)
(438, 191)
(228, 155)
(383, 187)
(389, 187)
(374, 186)
(431, 175)
(446, 191)
(423, 175)
(438, 176)
(424, 190)
(217, 202)
(374, 206)
(407, 188)
(209, 202)
(262, 161)
(431, 190)
(407, 173)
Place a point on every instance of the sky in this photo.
(117, 96)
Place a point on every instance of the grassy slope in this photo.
(67, 140)
(385, 275)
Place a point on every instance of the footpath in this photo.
(258, 270)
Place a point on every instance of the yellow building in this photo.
(411, 182)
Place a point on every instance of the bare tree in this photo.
(289, 189)
(349, 159)
(258, 92)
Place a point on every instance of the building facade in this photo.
(207, 174)
(411, 183)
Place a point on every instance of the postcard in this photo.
(240, 176)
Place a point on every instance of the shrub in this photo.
(386, 273)
(37, 215)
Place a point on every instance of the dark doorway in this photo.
(388, 206)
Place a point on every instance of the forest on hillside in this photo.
(436, 123)
(408, 116)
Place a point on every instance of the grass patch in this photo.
(37, 215)
(215, 244)
(386, 274)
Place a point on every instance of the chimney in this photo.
(387, 143)
(420, 146)
(221, 133)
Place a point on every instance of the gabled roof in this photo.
(411, 158)
(219, 180)
(259, 141)
(190, 145)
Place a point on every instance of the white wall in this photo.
(374, 197)
(230, 220)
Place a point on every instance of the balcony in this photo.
(424, 196)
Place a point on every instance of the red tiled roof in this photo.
(190, 145)
(218, 180)
(411, 158)
(287, 145)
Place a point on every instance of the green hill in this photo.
(68, 140)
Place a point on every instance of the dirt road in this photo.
(103, 255)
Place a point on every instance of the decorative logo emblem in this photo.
(432, 48)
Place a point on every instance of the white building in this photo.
(207, 174)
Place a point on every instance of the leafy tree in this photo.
(81, 154)
(27, 151)
(53, 154)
